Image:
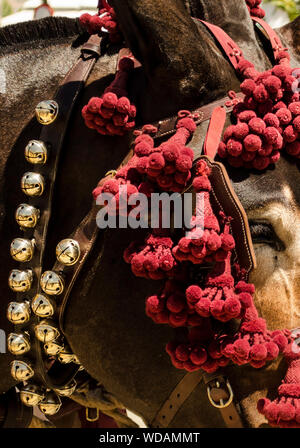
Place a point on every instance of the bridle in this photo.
(60, 280)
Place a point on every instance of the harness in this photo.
(60, 280)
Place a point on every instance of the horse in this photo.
(106, 310)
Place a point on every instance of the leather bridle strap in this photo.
(13, 413)
(53, 136)
(221, 397)
(275, 41)
(176, 399)
(219, 394)
(231, 49)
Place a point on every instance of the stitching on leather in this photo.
(239, 213)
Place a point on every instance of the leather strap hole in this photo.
(178, 395)
(230, 417)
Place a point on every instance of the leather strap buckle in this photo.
(222, 403)
(89, 417)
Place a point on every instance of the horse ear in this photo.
(290, 35)
(156, 31)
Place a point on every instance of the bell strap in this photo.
(275, 41)
(231, 49)
(167, 127)
(53, 136)
(214, 132)
(13, 413)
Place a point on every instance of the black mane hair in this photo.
(38, 31)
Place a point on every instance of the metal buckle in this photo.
(90, 419)
(222, 404)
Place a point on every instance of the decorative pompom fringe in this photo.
(284, 412)
(113, 114)
(169, 165)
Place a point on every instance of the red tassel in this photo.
(152, 260)
(284, 412)
(113, 114)
(169, 165)
(105, 20)
(253, 343)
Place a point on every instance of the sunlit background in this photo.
(278, 12)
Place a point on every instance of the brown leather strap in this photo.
(221, 397)
(53, 136)
(86, 235)
(13, 413)
(168, 126)
(176, 399)
(225, 199)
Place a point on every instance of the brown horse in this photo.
(182, 68)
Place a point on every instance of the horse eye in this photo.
(264, 233)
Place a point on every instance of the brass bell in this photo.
(36, 152)
(22, 249)
(20, 281)
(33, 184)
(67, 390)
(76, 360)
(18, 312)
(18, 344)
(53, 348)
(46, 111)
(50, 404)
(21, 370)
(66, 356)
(27, 216)
(46, 331)
(52, 283)
(68, 252)
(31, 395)
(43, 306)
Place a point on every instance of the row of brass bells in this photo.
(50, 404)
(68, 252)
(36, 152)
(46, 112)
(22, 249)
(20, 281)
(18, 343)
(43, 306)
(46, 331)
(33, 184)
(31, 395)
(21, 370)
(52, 283)
(18, 312)
(27, 216)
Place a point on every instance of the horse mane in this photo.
(38, 31)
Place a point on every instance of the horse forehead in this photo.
(278, 186)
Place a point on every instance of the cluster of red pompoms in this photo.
(169, 165)
(207, 244)
(268, 119)
(220, 298)
(201, 351)
(255, 9)
(113, 114)
(170, 307)
(254, 344)
(153, 259)
(284, 411)
(106, 20)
